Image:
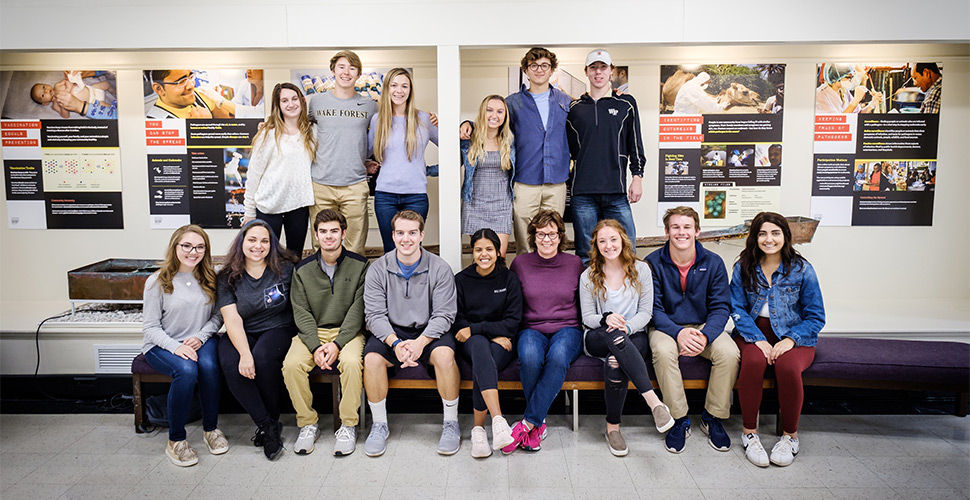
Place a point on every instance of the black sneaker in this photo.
(716, 435)
(273, 441)
(258, 438)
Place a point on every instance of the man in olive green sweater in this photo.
(328, 306)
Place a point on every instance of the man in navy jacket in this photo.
(692, 305)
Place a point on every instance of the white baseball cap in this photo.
(599, 55)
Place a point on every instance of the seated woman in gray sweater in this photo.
(180, 316)
(616, 296)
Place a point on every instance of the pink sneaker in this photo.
(542, 430)
(532, 440)
(519, 433)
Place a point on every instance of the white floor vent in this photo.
(114, 358)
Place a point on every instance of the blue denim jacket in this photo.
(543, 151)
(794, 304)
(466, 183)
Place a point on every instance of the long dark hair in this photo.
(487, 234)
(236, 261)
(751, 255)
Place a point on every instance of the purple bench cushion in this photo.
(140, 365)
(892, 360)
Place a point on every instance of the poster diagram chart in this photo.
(876, 134)
(61, 162)
(199, 127)
(720, 140)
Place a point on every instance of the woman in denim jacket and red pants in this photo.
(777, 310)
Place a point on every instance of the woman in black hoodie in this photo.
(489, 312)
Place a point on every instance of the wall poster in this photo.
(199, 128)
(876, 134)
(61, 162)
(720, 140)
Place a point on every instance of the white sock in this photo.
(451, 409)
(378, 410)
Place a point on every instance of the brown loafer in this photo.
(617, 444)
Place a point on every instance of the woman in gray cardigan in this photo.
(616, 297)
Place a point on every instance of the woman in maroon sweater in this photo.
(551, 337)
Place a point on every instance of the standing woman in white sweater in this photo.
(278, 185)
(179, 318)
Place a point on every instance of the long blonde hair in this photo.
(274, 122)
(385, 117)
(476, 152)
(204, 273)
(597, 263)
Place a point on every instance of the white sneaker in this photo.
(753, 450)
(501, 433)
(480, 448)
(345, 441)
(783, 453)
(308, 436)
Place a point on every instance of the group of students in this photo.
(334, 310)
(316, 153)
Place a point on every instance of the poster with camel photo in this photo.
(720, 133)
(876, 134)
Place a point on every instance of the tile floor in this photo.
(842, 457)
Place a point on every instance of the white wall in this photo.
(914, 281)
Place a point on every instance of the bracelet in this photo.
(84, 107)
(395, 343)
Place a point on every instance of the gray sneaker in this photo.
(376, 442)
(304, 442)
(450, 440)
(345, 441)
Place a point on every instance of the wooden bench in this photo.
(839, 362)
(143, 373)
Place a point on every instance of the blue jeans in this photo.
(543, 362)
(185, 374)
(589, 209)
(387, 205)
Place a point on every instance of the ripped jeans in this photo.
(625, 356)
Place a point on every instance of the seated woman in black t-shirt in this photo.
(254, 298)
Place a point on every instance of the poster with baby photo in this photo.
(198, 124)
(61, 163)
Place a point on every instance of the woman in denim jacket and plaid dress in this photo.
(777, 311)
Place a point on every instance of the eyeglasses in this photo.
(181, 82)
(543, 66)
(187, 248)
(547, 236)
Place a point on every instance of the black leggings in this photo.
(260, 397)
(294, 223)
(631, 365)
(487, 358)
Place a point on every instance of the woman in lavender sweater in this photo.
(551, 337)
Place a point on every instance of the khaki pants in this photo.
(526, 204)
(350, 363)
(725, 363)
(351, 201)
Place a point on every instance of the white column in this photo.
(449, 176)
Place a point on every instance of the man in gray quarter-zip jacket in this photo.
(409, 305)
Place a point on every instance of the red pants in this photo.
(788, 372)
